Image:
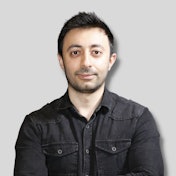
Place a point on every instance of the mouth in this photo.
(86, 76)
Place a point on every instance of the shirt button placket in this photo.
(87, 144)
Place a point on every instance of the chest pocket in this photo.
(62, 158)
(112, 156)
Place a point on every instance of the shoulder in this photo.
(124, 108)
(47, 113)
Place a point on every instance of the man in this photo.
(89, 130)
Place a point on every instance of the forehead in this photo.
(86, 36)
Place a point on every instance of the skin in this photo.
(86, 62)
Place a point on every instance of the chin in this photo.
(87, 89)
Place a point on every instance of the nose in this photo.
(86, 60)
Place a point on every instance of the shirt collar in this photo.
(116, 105)
(65, 103)
(107, 100)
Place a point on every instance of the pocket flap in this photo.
(60, 149)
(113, 146)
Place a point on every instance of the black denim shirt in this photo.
(121, 138)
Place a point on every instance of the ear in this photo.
(112, 60)
(61, 61)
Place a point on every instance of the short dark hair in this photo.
(84, 20)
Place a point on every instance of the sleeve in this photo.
(145, 156)
(29, 160)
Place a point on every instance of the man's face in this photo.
(86, 59)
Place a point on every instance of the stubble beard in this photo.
(85, 88)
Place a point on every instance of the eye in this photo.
(74, 53)
(96, 53)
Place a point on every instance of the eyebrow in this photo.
(79, 46)
(97, 45)
(73, 46)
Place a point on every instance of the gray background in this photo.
(30, 75)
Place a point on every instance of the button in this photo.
(87, 126)
(87, 151)
(114, 149)
(59, 151)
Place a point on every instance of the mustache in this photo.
(86, 71)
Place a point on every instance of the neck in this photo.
(86, 103)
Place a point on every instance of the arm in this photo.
(145, 157)
(30, 160)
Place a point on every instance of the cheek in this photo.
(70, 69)
(103, 66)
(73, 67)
(102, 72)
(69, 64)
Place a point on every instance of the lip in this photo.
(86, 76)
